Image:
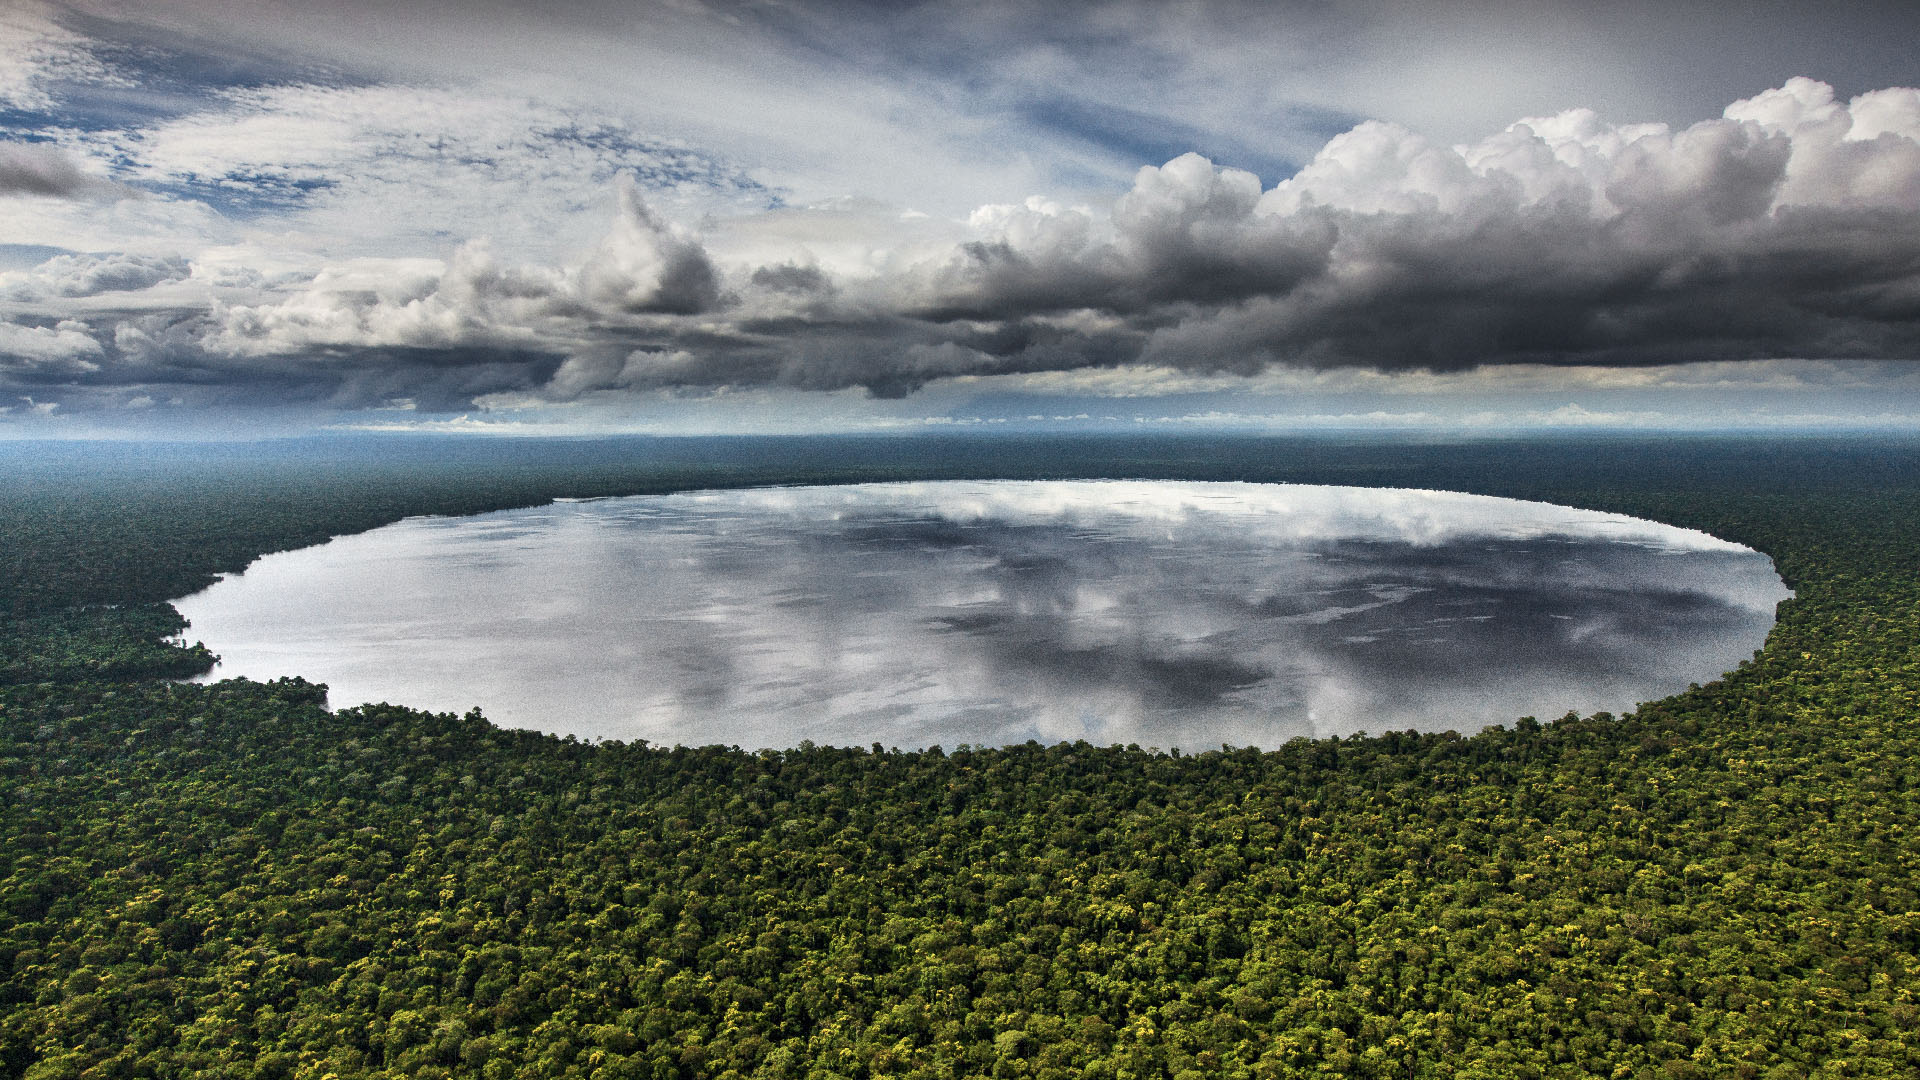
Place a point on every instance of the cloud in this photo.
(32, 353)
(645, 265)
(36, 50)
(1561, 240)
(474, 308)
(1786, 228)
(40, 169)
(470, 301)
(90, 275)
(391, 161)
(1186, 233)
(459, 425)
(1789, 227)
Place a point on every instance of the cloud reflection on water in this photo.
(1167, 614)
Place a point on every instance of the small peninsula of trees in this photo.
(230, 880)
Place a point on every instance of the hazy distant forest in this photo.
(231, 881)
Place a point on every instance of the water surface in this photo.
(1160, 613)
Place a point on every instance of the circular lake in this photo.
(912, 614)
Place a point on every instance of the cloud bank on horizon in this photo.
(296, 224)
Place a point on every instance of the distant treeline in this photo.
(122, 523)
(229, 880)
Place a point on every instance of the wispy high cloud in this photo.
(38, 52)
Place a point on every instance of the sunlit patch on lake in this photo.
(1158, 613)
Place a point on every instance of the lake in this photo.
(912, 614)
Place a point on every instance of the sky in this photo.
(228, 219)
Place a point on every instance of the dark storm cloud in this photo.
(165, 355)
(1187, 234)
(40, 169)
(1791, 228)
(789, 278)
(1788, 228)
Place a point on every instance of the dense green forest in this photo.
(230, 880)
